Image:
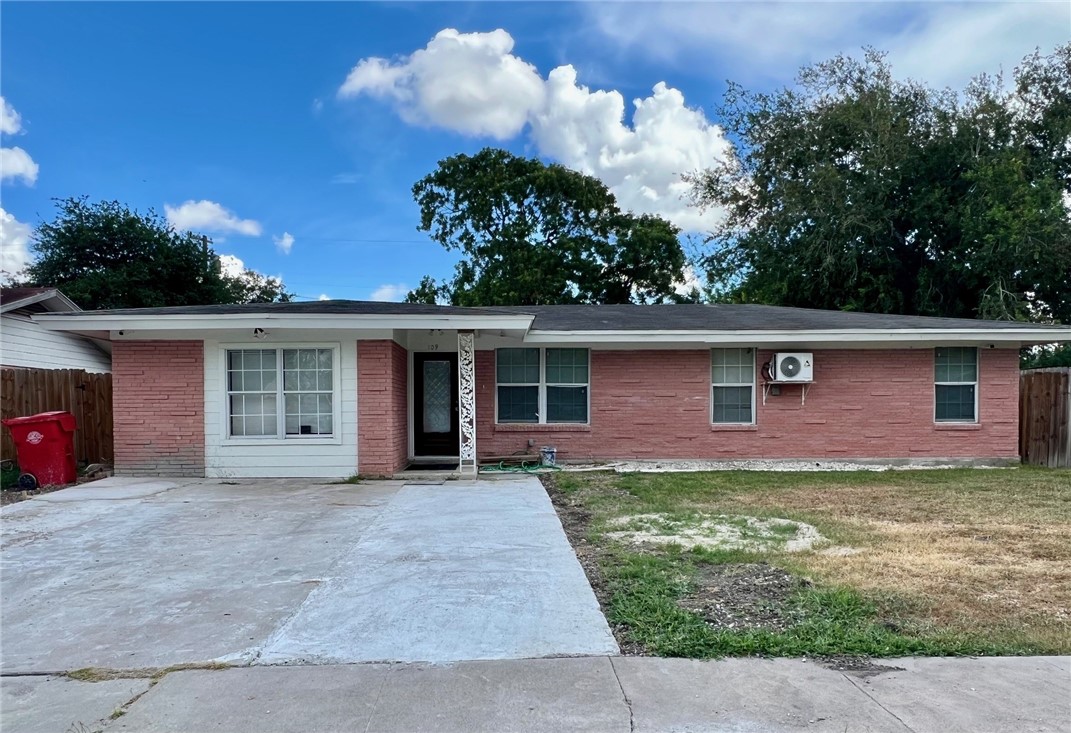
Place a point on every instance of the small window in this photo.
(542, 385)
(732, 378)
(262, 405)
(956, 384)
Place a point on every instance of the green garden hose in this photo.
(525, 467)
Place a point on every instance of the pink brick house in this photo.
(328, 389)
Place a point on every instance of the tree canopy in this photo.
(853, 190)
(536, 234)
(104, 255)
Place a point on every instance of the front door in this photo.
(435, 418)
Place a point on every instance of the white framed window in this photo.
(282, 393)
(732, 380)
(955, 388)
(542, 385)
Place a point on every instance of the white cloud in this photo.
(208, 216)
(956, 42)
(467, 82)
(472, 84)
(284, 243)
(231, 265)
(390, 293)
(16, 163)
(642, 163)
(324, 296)
(10, 120)
(691, 281)
(943, 43)
(14, 245)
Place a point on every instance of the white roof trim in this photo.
(1037, 334)
(66, 305)
(101, 323)
(326, 321)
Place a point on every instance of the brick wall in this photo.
(382, 408)
(158, 404)
(863, 404)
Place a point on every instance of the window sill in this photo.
(532, 427)
(732, 428)
(957, 426)
(275, 442)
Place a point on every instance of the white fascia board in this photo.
(331, 321)
(1008, 337)
(62, 303)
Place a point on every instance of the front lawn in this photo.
(962, 561)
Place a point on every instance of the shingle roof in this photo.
(718, 317)
(733, 317)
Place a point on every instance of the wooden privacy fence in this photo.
(1045, 417)
(87, 396)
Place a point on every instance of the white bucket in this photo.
(548, 456)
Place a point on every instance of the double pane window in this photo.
(732, 378)
(542, 385)
(955, 384)
(279, 393)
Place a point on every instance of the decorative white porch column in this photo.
(466, 375)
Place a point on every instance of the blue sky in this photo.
(292, 133)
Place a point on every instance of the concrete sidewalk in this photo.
(566, 694)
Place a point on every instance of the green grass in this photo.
(935, 545)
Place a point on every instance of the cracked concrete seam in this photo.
(877, 702)
(379, 694)
(625, 697)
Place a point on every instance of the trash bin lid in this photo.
(61, 416)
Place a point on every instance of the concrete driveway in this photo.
(128, 573)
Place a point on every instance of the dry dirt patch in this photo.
(743, 596)
(716, 532)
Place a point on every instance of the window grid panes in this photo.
(260, 404)
(955, 384)
(542, 385)
(732, 377)
(308, 391)
(518, 366)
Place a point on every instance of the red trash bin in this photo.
(45, 447)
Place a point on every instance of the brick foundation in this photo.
(382, 408)
(863, 404)
(158, 406)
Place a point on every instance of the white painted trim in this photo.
(754, 385)
(329, 321)
(842, 336)
(274, 457)
(542, 385)
(977, 385)
(336, 396)
(66, 305)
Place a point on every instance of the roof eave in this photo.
(62, 302)
(88, 321)
(1005, 337)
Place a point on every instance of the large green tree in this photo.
(105, 255)
(853, 190)
(533, 234)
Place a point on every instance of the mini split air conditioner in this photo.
(793, 367)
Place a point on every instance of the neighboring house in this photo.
(24, 343)
(336, 387)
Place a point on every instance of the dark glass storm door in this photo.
(435, 417)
